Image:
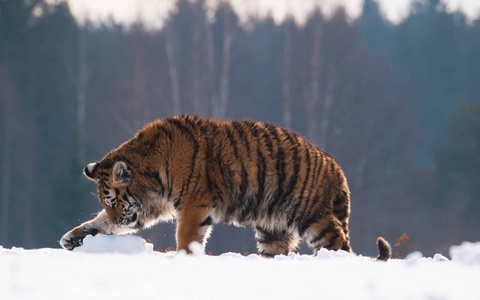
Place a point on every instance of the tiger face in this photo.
(114, 193)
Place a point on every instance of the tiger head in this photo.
(115, 185)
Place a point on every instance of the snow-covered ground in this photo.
(126, 267)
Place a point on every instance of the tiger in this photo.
(200, 172)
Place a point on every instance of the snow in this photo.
(467, 253)
(124, 244)
(126, 267)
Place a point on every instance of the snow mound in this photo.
(122, 244)
(467, 253)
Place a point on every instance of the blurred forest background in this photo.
(398, 105)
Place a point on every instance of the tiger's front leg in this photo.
(100, 224)
(194, 225)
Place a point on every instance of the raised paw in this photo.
(74, 237)
(69, 241)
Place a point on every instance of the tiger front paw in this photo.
(74, 237)
(69, 241)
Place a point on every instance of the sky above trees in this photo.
(153, 12)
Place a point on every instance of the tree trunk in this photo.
(140, 99)
(211, 69)
(286, 94)
(82, 93)
(6, 175)
(225, 77)
(6, 102)
(172, 71)
(325, 114)
(364, 154)
(197, 101)
(314, 97)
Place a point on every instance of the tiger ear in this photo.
(90, 171)
(121, 173)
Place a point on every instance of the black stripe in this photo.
(243, 182)
(321, 235)
(317, 169)
(296, 166)
(226, 174)
(208, 156)
(247, 207)
(209, 132)
(302, 190)
(339, 199)
(268, 142)
(319, 172)
(233, 143)
(307, 173)
(253, 129)
(207, 222)
(280, 167)
(155, 176)
(140, 135)
(180, 126)
(317, 186)
(169, 182)
(332, 240)
(241, 132)
(129, 193)
(231, 176)
(342, 216)
(252, 203)
(176, 203)
(261, 173)
(340, 204)
(161, 128)
(311, 216)
(306, 203)
(243, 174)
(188, 131)
(191, 120)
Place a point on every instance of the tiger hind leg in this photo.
(327, 233)
(341, 211)
(271, 243)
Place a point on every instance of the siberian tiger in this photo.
(201, 172)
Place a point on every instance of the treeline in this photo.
(374, 94)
